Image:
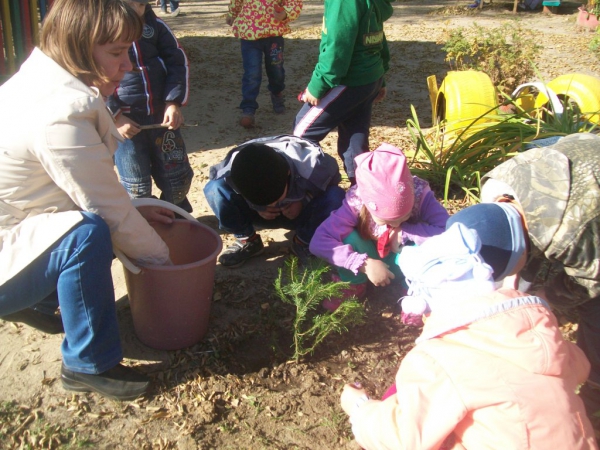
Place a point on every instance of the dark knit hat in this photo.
(501, 232)
(260, 174)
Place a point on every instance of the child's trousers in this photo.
(252, 57)
(349, 109)
(158, 154)
(367, 246)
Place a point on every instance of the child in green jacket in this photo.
(348, 77)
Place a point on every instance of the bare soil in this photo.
(237, 388)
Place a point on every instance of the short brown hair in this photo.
(72, 28)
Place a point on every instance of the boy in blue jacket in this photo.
(152, 94)
(273, 182)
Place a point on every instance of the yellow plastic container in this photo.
(465, 98)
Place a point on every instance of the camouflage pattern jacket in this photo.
(558, 189)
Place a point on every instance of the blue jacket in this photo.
(161, 72)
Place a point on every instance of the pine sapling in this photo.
(306, 290)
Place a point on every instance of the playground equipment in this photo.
(19, 32)
(468, 100)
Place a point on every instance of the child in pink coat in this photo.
(491, 369)
(387, 209)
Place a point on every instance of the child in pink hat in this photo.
(387, 209)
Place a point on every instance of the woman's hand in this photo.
(377, 271)
(352, 396)
(173, 116)
(127, 127)
(156, 214)
(292, 210)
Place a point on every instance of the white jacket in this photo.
(57, 141)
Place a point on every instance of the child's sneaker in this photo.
(242, 250)
(278, 103)
(175, 13)
(354, 290)
(247, 119)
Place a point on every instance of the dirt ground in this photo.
(237, 388)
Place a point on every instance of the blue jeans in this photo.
(174, 5)
(367, 246)
(158, 154)
(349, 109)
(236, 217)
(77, 271)
(252, 56)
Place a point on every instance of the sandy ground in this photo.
(235, 390)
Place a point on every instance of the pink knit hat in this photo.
(384, 182)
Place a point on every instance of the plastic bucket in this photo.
(170, 305)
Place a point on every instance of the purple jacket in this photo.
(428, 219)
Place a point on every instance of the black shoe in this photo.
(240, 251)
(48, 323)
(119, 383)
(300, 249)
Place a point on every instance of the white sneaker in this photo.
(176, 12)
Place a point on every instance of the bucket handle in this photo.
(149, 202)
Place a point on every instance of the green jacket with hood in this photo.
(353, 49)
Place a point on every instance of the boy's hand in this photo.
(377, 272)
(270, 213)
(126, 127)
(292, 210)
(307, 97)
(380, 95)
(173, 116)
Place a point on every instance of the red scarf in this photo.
(384, 244)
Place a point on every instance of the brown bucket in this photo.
(170, 305)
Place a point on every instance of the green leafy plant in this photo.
(455, 163)
(505, 53)
(305, 289)
(593, 8)
(595, 44)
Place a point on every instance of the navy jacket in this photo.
(160, 75)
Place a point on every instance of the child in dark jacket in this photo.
(273, 182)
(152, 95)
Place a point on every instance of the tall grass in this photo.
(454, 163)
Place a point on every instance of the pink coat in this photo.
(492, 373)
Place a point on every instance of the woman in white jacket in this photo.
(62, 208)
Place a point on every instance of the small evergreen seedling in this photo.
(306, 290)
